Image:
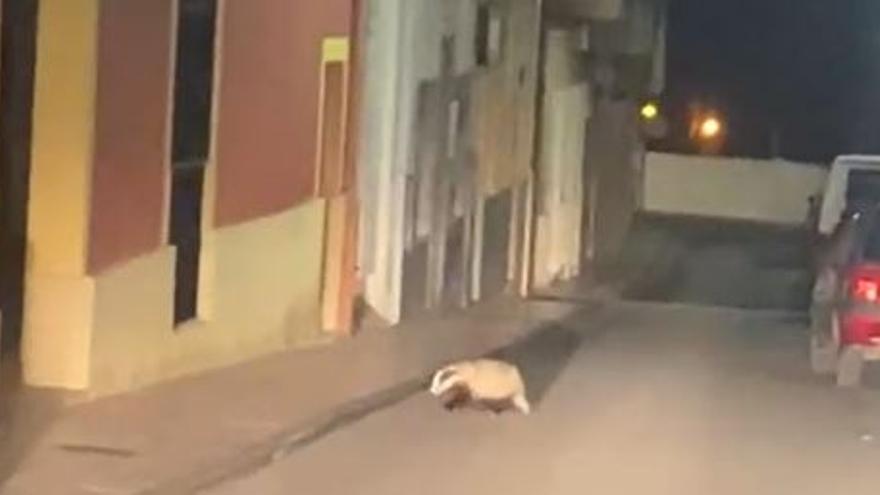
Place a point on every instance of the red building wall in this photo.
(131, 146)
(268, 112)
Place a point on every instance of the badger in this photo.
(483, 384)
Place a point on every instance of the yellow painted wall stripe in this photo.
(64, 120)
(59, 316)
(335, 49)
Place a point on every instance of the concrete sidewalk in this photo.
(182, 436)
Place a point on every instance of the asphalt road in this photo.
(634, 398)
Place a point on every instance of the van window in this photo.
(872, 243)
(863, 189)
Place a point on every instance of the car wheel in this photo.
(849, 367)
(823, 344)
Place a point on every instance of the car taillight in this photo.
(865, 283)
(866, 289)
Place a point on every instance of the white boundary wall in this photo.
(766, 191)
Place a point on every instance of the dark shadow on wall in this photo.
(17, 62)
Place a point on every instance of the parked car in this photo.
(845, 309)
(853, 183)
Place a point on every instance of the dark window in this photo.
(193, 96)
(194, 78)
(17, 57)
(872, 243)
(484, 21)
(488, 38)
(862, 189)
(185, 233)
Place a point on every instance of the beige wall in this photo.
(504, 101)
(735, 188)
(113, 331)
(264, 291)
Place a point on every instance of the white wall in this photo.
(733, 188)
(560, 176)
(403, 50)
(382, 60)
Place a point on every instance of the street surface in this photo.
(718, 263)
(631, 398)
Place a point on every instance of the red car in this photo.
(845, 310)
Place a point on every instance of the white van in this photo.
(853, 184)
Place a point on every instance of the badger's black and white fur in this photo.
(483, 383)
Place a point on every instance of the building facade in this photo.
(189, 184)
(602, 60)
(447, 143)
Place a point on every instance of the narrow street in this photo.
(237, 237)
(640, 398)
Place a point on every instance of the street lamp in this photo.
(653, 122)
(710, 128)
(650, 111)
(708, 131)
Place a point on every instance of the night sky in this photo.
(808, 68)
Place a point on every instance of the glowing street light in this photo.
(707, 129)
(650, 111)
(653, 123)
(710, 128)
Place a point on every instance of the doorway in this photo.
(193, 95)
